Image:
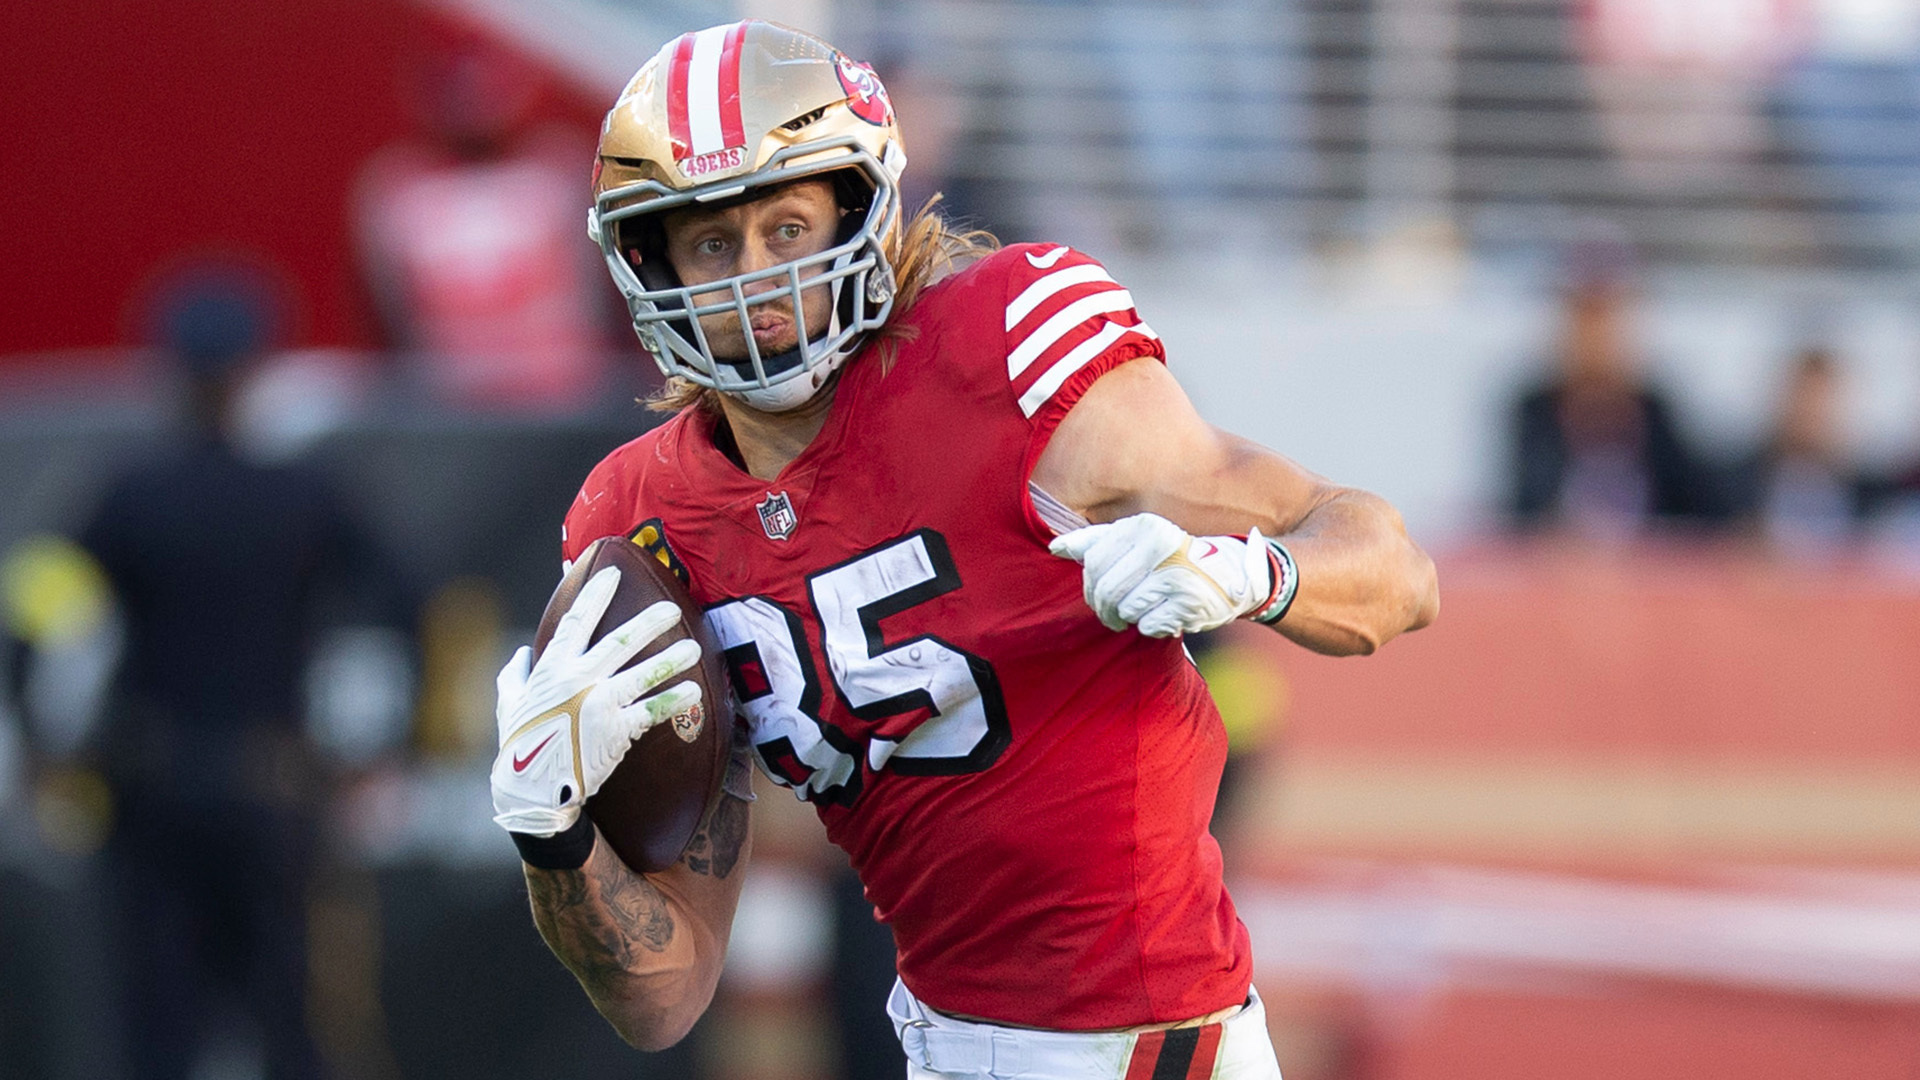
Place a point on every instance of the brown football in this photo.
(650, 807)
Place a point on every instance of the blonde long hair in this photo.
(922, 251)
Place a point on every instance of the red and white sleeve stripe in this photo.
(1064, 319)
(703, 92)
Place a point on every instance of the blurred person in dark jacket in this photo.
(1798, 487)
(218, 566)
(1596, 449)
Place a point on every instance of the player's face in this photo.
(792, 222)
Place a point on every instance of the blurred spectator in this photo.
(1596, 449)
(473, 243)
(219, 566)
(862, 972)
(1895, 508)
(1798, 488)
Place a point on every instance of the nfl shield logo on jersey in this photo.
(776, 516)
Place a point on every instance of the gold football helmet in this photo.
(715, 116)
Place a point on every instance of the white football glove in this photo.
(1146, 571)
(566, 721)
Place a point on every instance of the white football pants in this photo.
(940, 1047)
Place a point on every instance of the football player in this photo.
(949, 516)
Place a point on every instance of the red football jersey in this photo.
(1024, 793)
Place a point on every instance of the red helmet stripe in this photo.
(732, 127)
(677, 126)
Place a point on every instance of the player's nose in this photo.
(756, 255)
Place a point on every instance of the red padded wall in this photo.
(138, 134)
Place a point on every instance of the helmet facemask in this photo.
(855, 271)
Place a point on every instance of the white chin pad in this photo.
(789, 394)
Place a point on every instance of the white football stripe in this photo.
(1063, 368)
(1044, 337)
(703, 90)
(1032, 296)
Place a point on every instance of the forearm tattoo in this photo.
(603, 919)
(715, 849)
(600, 919)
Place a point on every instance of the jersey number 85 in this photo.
(778, 688)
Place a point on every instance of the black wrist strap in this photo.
(564, 850)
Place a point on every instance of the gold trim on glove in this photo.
(569, 708)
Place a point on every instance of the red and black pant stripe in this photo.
(1175, 1054)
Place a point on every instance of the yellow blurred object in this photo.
(74, 810)
(344, 950)
(51, 591)
(461, 649)
(1251, 692)
(770, 1036)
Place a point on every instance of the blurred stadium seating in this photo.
(1315, 119)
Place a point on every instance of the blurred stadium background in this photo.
(1645, 803)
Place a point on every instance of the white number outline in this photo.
(781, 747)
(946, 578)
(985, 751)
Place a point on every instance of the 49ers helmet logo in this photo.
(865, 96)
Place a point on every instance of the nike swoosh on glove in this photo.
(567, 721)
(1146, 571)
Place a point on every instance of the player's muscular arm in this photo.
(648, 948)
(1134, 444)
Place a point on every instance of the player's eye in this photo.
(790, 231)
(712, 245)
